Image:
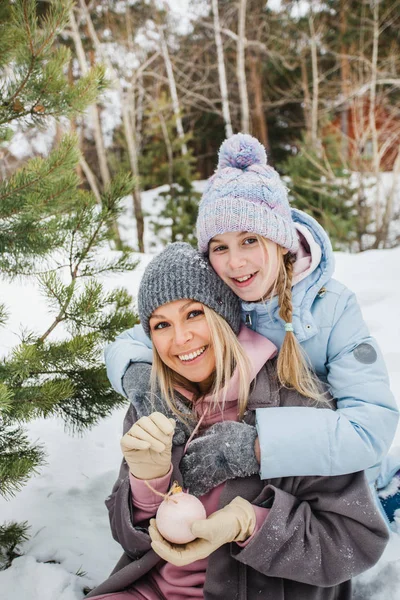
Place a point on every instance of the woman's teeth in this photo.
(192, 355)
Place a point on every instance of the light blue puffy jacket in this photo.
(329, 325)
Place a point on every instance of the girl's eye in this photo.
(195, 313)
(161, 325)
(250, 241)
(219, 248)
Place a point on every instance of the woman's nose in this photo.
(182, 335)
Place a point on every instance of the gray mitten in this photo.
(136, 383)
(224, 451)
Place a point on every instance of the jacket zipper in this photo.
(250, 320)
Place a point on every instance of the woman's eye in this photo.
(250, 241)
(218, 248)
(195, 313)
(160, 325)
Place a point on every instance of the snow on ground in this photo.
(64, 503)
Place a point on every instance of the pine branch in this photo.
(12, 535)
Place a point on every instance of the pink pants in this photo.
(146, 593)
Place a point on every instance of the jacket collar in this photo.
(265, 388)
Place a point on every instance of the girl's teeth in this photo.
(192, 355)
(245, 278)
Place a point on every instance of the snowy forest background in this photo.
(111, 116)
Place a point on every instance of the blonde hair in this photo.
(229, 355)
(294, 370)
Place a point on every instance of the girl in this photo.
(294, 538)
(279, 262)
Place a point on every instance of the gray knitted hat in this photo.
(181, 272)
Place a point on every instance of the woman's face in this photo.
(181, 336)
(245, 264)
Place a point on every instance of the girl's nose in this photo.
(236, 260)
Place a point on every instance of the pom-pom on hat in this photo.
(180, 272)
(245, 194)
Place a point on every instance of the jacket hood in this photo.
(327, 263)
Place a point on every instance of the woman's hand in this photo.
(147, 446)
(233, 523)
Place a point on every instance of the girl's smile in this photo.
(249, 266)
(244, 280)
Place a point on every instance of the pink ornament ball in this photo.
(175, 516)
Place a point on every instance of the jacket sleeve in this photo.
(357, 435)
(131, 346)
(323, 531)
(134, 539)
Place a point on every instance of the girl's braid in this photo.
(285, 289)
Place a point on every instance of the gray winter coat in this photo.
(320, 531)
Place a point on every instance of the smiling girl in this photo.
(279, 262)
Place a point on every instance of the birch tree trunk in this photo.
(172, 89)
(223, 86)
(315, 84)
(372, 124)
(345, 80)
(306, 92)
(97, 133)
(128, 129)
(241, 68)
(256, 84)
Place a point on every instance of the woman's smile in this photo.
(194, 355)
(182, 338)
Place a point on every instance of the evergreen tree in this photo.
(11, 536)
(56, 232)
(163, 162)
(176, 221)
(320, 185)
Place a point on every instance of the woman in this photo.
(283, 538)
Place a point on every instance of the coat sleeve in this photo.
(131, 346)
(135, 540)
(354, 437)
(322, 532)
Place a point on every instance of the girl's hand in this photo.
(147, 446)
(225, 451)
(137, 387)
(233, 523)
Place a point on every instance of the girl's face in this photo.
(181, 336)
(245, 264)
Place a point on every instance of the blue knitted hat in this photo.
(245, 194)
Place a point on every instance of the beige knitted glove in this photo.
(147, 446)
(233, 523)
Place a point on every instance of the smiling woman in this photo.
(195, 345)
(196, 425)
(181, 337)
